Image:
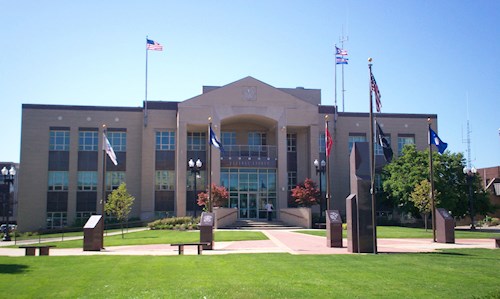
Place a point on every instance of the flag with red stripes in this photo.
(376, 91)
(328, 140)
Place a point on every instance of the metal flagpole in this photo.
(146, 88)
(372, 162)
(103, 198)
(342, 40)
(209, 164)
(431, 179)
(335, 76)
(328, 195)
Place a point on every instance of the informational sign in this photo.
(207, 219)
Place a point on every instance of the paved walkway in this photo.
(280, 241)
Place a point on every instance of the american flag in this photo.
(342, 60)
(378, 103)
(340, 51)
(106, 146)
(152, 45)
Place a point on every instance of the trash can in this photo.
(333, 229)
(207, 229)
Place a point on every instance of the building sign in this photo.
(264, 163)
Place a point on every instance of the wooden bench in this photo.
(181, 246)
(31, 249)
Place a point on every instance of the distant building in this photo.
(491, 183)
(271, 136)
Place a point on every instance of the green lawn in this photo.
(406, 232)
(165, 237)
(466, 273)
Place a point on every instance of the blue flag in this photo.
(434, 139)
(214, 141)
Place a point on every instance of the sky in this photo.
(429, 57)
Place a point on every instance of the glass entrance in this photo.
(248, 205)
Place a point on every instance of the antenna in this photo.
(467, 140)
(342, 39)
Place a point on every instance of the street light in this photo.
(195, 170)
(8, 179)
(469, 174)
(320, 169)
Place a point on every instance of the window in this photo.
(256, 140)
(87, 181)
(292, 180)
(322, 143)
(378, 182)
(355, 138)
(200, 181)
(59, 140)
(404, 140)
(291, 142)
(378, 149)
(57, 219)
(165, 180)
(58, 181)
(88, 140)
(114, 179)
(228, 138)
(165, 140)
(82, 217)
(118, 141)
(196, 141)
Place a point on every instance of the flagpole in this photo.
(209, 165)
(335, 75)
(146, 89)
(328, 195)
(431, 179)
(372, 162)
(103, 195)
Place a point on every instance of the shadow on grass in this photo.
(13, 268)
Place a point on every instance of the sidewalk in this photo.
(280, 241)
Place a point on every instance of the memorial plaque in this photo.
(333, 229)
(206, 225)
(352, 223)
(93, 234)
(445, 226)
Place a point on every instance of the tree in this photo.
(306, 194)
(220, 197)
(422, 200)
(402, 175)
(119, 204)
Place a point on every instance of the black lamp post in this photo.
(320, 169)
(8, 179)
(470, 174)
(195, 170)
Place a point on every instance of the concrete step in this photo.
(259, 225)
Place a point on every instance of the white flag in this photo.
(109, 150)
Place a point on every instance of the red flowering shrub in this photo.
(306, 194)
(220, 196)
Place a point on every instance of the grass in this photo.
(406, 232)
(147, 237)
(465, 273)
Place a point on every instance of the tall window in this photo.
(114, 179)
(322, 143)
(88, 140)
(165, 140)
(59, 140)
(196, 141)
(165, 180)
(291, 142)
(118, 141)
(58, 181)
(256, 140)
(228, 138)
(292, 180)
(87, 181)
(356, 138)
(57, 219)
(404, 140)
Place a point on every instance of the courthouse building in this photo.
(271, 136)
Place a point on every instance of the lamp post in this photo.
(320, 169)
(470, 174)
(8, 179)
(195, 170)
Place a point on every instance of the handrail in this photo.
(293, 215)
(228, 214)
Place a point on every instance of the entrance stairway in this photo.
(259, 225)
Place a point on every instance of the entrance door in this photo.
(248, 205)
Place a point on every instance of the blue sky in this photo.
(428, 56)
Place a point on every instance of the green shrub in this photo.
(176, 223)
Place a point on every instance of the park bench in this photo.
(497, 242)
(181, 246)
(31, 249)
